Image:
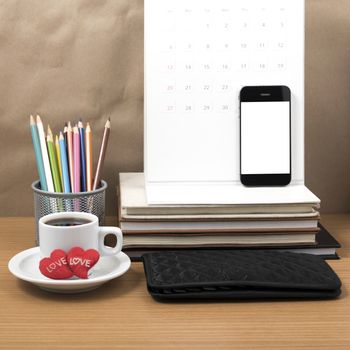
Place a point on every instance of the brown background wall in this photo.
(69, 59)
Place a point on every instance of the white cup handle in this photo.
(103, 232)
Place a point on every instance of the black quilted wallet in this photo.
(239, 274)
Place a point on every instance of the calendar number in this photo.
(169, 88)
(206, 108)
(206, 87)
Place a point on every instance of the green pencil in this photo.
(53, 161)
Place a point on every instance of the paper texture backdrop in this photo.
(70, 59)
(65, 60)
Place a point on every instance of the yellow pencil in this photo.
(53, 161)
(58, 153)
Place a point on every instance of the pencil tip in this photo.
(108, 123)
(31, 120)
(38, 119)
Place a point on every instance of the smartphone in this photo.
(265, 135)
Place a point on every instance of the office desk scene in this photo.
(122, 314)
(174, 175)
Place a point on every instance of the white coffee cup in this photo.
(76, 229)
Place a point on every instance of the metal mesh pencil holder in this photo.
(53, 202)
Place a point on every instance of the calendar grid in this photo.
(199, 54)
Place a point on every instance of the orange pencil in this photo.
(88, 151)
(70, 155)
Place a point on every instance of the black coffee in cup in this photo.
(66, 222)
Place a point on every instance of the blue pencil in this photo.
(38, 156)
(82, 156)
(64, 163)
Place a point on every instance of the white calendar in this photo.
(198, 55)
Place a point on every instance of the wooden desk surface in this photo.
(121, 314)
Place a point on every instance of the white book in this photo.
(238, 226)
(218, 217)
(297, 200)
(143, 241)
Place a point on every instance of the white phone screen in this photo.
(265, 137)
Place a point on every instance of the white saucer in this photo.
(25, 266)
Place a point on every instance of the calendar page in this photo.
(198, 55)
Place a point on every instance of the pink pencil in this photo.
(70, 155)
(76, 157)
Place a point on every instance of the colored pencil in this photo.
(53, 161)
(65, 136)
(102, 154)
(88, 148)
(82, 156)
(44, 154)
(76, 156)
(70, 155)
(58, 155)
(38, 156)
(64, 163)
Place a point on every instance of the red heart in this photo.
(56, 266)
(81, 261)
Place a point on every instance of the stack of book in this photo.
(286, 225)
